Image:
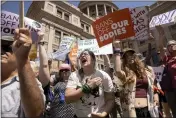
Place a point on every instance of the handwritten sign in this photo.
(64, 48)
(10, 22)
(164, 18)
(117, 24)
(92, 45)
(73, 54)
(158, 73)
(141, 22)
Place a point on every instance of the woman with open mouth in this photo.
(90, 90)
(137, 96)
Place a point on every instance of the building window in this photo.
(65, 34)
(54, 50)
(108, 9)
(101, 11)
(92, 11)
(85, 11)
(102, 67)
(124, 44)
(59, 13)
(66, 17)
(57, 37)
(49, 7)
(142, 42)
(130, 44)
(82, 25)
(87, 28)
(75, 20)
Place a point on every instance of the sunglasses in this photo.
(6, 48)
(65, 70)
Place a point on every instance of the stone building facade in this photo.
(60, 18)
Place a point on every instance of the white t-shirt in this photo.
(91, 103)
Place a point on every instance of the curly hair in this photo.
(138, 69)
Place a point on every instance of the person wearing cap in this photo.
(137, 96)
(22, 94)
(168, 82)
(59, 108)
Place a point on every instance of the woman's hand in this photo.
(93, 83)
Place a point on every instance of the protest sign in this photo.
(117, 24)
(164, 18)
(64, 48)
(10, 22)
(158, 73)
(141, 22)
(73, 54)
(92, 45)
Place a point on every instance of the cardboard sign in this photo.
(64, 48)
(10, 22)
(73, 54)
(117, 24)
(164, 18)
(158, 73)
(92, 45)
(141, 22)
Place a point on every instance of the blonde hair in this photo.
(138, 70)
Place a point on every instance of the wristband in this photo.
(86, 89)
(41, 43)
(117, 50)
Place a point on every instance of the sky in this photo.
(13, 6)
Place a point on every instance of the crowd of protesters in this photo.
(125, 88)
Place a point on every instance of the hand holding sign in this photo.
(116, 43)
(22, 44)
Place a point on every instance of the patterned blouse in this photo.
(59, 108)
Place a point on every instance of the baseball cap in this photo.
(7, 38)
(127, 50)
(171, 42)
(64, 67)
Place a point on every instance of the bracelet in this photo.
(86, 89)
(41, 43)
(117, 50)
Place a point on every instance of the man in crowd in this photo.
(22, 94)
(169, 60)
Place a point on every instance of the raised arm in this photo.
(44, 74)
(31, 95)
(117, 61)
(106, 63)
(161, 39)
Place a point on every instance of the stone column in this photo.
(112, 9)
(96, 7)
(105, 9)
(51, 38)
(88, 11)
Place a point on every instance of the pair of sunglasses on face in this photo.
(65, 70)
(6, 48)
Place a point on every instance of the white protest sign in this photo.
(64, 48)
(141, 22)
(158, 73)
(10, 22)
(164, 18)
(92, 45)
